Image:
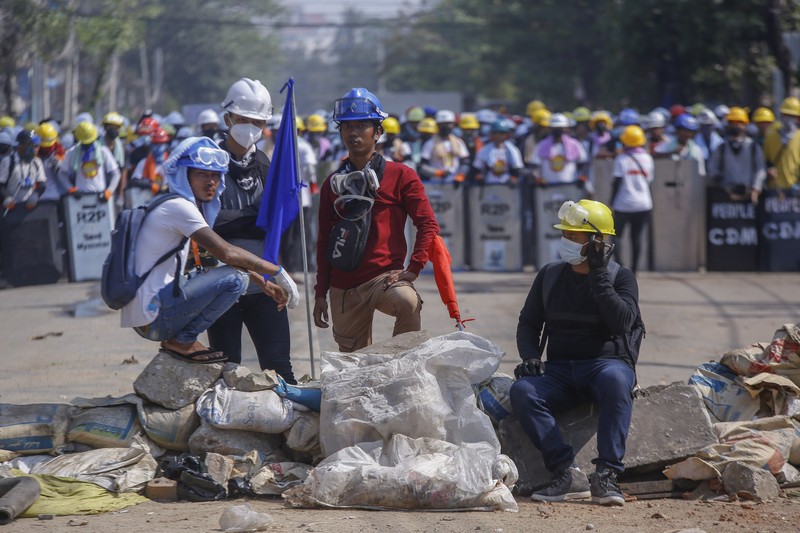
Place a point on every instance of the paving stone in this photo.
(669, 424)
(173, 384)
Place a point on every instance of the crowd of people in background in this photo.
(121, 159)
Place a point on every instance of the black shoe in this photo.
(571, 484)
(605, 489)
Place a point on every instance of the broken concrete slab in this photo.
(750, 483)
(669, 424)
(173, 384)
(207, 438)
(219, 467)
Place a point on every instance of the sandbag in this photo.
(423, 392)
(723, 393)
(105, 427)
(303, 436)
(170, 429)
(33, 428)
(208, 438)
(261, 411)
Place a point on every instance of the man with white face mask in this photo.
(586, 310)
(248, 107)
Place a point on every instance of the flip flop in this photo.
(213, 356)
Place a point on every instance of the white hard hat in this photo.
(6, 137)
(207, 116)
(444, 116)
(184, 133)
(721, 111)
(274, 122)
(706, 118)
(248, 98)
(175, 119)
(655, 120)
(84, 117)
(486, 116)
(559, 120)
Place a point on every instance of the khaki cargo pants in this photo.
(352, 311)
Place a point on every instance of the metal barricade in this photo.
(89, 221)
(31, 245)
(779, 236)
(447, 201)
(495, 224)
(732, 236)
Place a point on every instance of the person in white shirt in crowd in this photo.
(444, 156)
(559, 158)
(174, 309)
(500, 161)
(682, 146)
(89, 166)
(738, 164)
(654, 126)
(707, 139)
(631, 200)
(52, 154)
(22, 174)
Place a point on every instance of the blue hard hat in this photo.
(628, 117)
(202, 153)
(358, 104)
(502, 125)
(687, 122)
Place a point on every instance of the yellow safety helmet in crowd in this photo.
(85, 132)
(391, 126)
(601, 116)
(7, 122)
(468, 121)
(542, 118)
(587, 216)
(696, 109)
(47, 135)
(582, 114)
(737, 114)
(316, 123)
(113, 119)
(428, 125)
(791, 106)
(533, 106)
(415, 114)
(632, 136)
(763, 114)
(299, 124)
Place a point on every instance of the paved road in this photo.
(49, 354)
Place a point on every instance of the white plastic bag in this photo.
(241, 518)
(424, 392)
(260, 411)
(407, 473)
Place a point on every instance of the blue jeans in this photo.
(202, 299)
(608, 383)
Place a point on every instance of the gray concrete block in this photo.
(173, 384)
(750, 483)
(669, 424)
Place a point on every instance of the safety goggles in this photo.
(206, 157)
(358, 183)
(575, 214)
(352, 206)
(356, 107)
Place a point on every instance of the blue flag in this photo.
(279, 204)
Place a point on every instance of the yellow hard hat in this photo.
(587, 216)
(542, 118)
(113, 119)
(48, 135)
(696, 109)
(632, 136)
(85, 132)
(7, 122)
(299, 124)
(316, 124)
(533, 106)
(415, 114)
(791, 106)
(582, 114)
(601, 116)
(737, 114)
(468, 121)
(763, 114)
(428, 125)
(391, 126)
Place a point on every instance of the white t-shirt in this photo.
(445, 154)
(556, 168)
(96, 174)
(637, 175)
(23, 176)
(496, 162)
(161, 232)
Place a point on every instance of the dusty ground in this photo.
(49, 355)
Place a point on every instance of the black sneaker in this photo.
(605, 489)
(571, 484)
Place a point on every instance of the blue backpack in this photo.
(119, 283)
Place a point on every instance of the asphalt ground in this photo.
(59, 341)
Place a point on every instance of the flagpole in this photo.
(303, 236)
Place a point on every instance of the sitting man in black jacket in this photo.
(587, 312)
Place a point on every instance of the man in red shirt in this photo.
(371, 196)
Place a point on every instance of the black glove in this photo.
(597, 255)
(529, 367)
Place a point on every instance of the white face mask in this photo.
(570, 251)
(245, 135)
